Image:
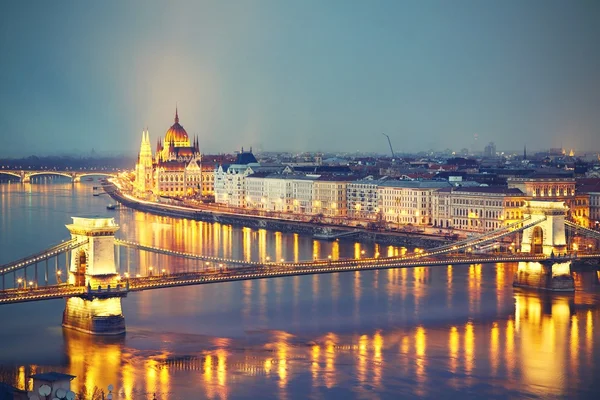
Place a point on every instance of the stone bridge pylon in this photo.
(548, 238)
(93, 266)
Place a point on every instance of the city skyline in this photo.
(300, 77)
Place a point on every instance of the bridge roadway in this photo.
(260, 271)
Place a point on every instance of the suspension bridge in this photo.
(83, 269)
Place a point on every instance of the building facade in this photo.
(541, 187)
(408, 202)
(478, 209)
(329, 195)
(363, 199)
(174, 170)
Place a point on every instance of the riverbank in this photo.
(274, 224)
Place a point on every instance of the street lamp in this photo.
(19, 281)
(164, 271)
(150, 269)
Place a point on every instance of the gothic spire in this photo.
(176, 114)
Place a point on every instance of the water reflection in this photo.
(431, 332)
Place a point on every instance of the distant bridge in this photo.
(26, 175)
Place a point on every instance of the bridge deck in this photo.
(261, 271)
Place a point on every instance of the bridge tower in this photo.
(548, 236)
(545, 238)
(98, 312)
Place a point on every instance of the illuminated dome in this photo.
(177, 134)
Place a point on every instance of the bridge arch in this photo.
(11, 173)
(537, 240)
(81, 264)
(28, 176)
(78, 176)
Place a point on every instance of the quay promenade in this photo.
(363, 234)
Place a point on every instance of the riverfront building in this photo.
(551, 187)
(477, 209)
(174, 170)
(408, 202)
(363, 198)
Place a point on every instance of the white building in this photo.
(280, 192)
(362, 198)
(329, 195)
(230, 185)
(408, 202)
(477, 209)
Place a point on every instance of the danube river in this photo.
(442, 332)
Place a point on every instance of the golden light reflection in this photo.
(469, 347)
(390, 251)
(453, 346)
(474, 287)
(574, 344)
(222, 370)
(377, 359)
(262, 244)
(21, 378)
(268, 365)
(589, 336)
(543, 338)
(247, 243)
(296, 247)
(314, 368)
(128, 376)
(151, 378)
(278, 246)
(207, 376)
(330, 371)
(357, 250)
(495, 348)
(509, 348)
(449, 283)
(282, 367)
(317, 249)
(335, 251)
(361, 366)
(421, 361)
(500, 282)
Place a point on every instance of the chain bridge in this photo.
(83, 269)
(75, 176)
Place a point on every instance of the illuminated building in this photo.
(478, 209)
(280, 192)
(551, 187)
(329, 195)
(363, 198)
(174, 171)
(408, 202)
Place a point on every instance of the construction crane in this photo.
(390, 142)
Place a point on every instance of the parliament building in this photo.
(175, 168)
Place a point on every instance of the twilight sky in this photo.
(299, 75)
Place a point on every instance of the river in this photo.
(439, 332)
